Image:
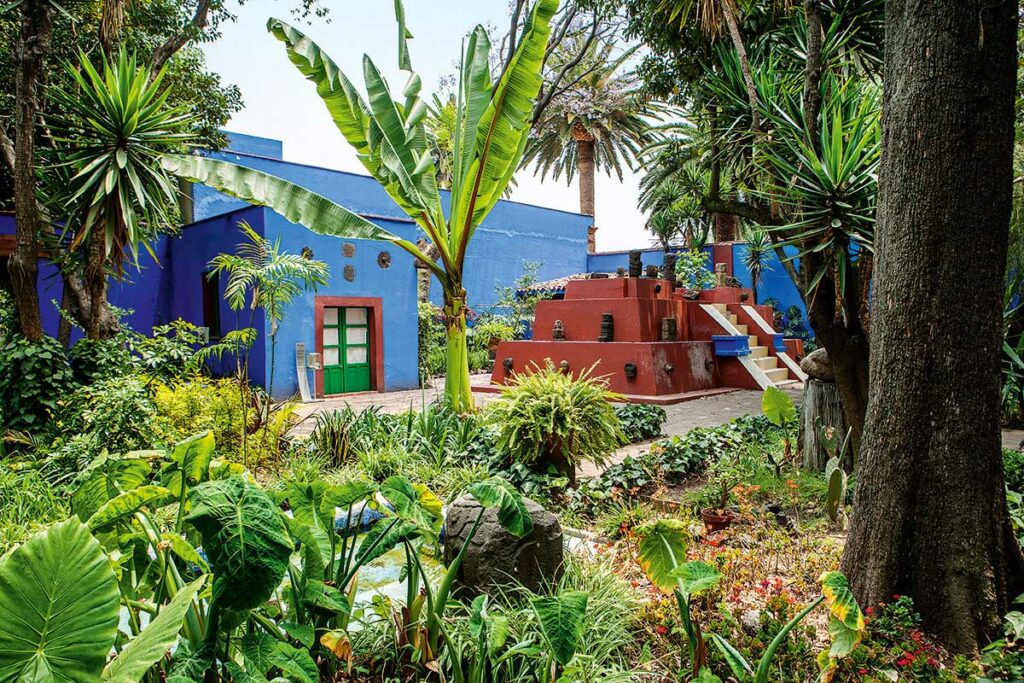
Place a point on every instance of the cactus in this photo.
(836, 478)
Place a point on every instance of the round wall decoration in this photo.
(384, 259)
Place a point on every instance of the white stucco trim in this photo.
(746, 361)
(790, 364)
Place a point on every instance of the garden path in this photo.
(681, 417)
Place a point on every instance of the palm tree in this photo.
(391, 141)
(712, 14)
(113, 194)
(269, 278)
(757, 257)
(596, 121)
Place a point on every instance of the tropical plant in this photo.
(260, 275)
(547, 415)
(778, 407)
(561, 618)
(108, 186)
(598, 121)
(33, 377)
(757, 257)
(60, 613)
(389, 136)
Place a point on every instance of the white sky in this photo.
(281, 104)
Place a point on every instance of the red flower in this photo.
(869, 611)
(661, 630)
(862, 672)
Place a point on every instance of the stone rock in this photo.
(751, 620)
(497, 558)
(816, 365)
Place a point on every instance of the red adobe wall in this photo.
(662, 367)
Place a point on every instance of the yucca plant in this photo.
(758, 256)
(110, 191)
(546, 415)
(828, 186)
(390, 138)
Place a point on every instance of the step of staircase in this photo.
(758, 351)
(767, 362)
(777, 375)
(722, 308)
(741, 328)
(752, 340)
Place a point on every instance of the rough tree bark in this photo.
(585, 158)
(30, 55)
(731, 21)
(930, 517)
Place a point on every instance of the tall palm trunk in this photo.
(729, 12)
(586, 168)
(32, 47)
(457, 386)
(96, 282)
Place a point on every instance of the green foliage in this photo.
(662, 548)
(59, 614)
(1013, 469)
(33, 378)
(113, 129)
(196, 404)
(640, 421)
(432, 340)
(245, 539)
(680, 456)
(115, 414)
(27, 501)
(520, 300)
(778, 407)
(547, 414)
(561, 618)
(837, 479)
(693, 270)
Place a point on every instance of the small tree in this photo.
(757, 257)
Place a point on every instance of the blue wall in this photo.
(395, 285)
(775, 281)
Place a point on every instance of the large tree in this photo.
(930, 517)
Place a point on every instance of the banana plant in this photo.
(390, 138)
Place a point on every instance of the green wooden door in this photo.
(346, 343)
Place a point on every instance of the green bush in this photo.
(93, 360)
(116, 414)
(33, 378)
(29, 502)
(680, 456)
(1013, 469)
(198, 404)
(640, 421)
(547, 416)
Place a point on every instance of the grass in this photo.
(27, 503)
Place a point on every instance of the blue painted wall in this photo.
(395, 285)
(190, 255)
(775, 281)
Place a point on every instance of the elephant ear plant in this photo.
(389, 135)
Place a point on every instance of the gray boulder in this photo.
(816, 365)
(497, 558)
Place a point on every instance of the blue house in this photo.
(363, 323)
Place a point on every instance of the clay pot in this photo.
(716, 520)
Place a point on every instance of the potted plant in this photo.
(714, 505)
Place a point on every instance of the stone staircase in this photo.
(761, 355)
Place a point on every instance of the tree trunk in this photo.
(457, 389)
(812, 70)
(820, 409)
(729, 11)
(424, 276)
(31, 51)
(96, 282)
(585, 152)
(930, 518)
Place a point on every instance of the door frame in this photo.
(375, 319)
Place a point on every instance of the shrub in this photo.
(480, 336)
(116, 414)
(432, 340)
(680, 456)
(546, 415)
(1013, 469)
(33, 378)
(640, 421)
(93, 360)
(199, 404)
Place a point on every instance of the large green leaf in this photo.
(661, 549)
(695, 577)
(777, 406)
(296, 203)
(295, 663)
(503, 127)
(108, 478)
(561, 621)
(256, 650)
(413, 502)
(59, 610)
(847, 621)
(245, 539)
(512, 512)
(147, 648)
(193, 456)
(123, 506)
